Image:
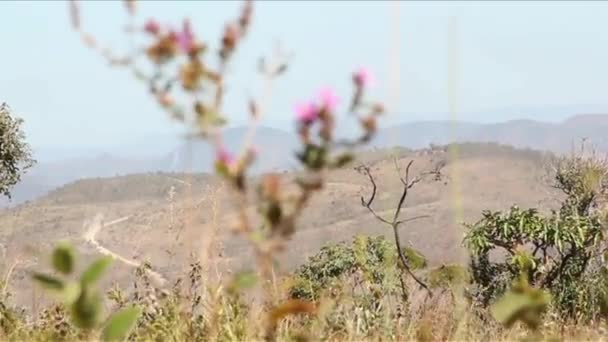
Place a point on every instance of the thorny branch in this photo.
(321, 151)
(395, 222)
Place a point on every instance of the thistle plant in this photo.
(185, 84)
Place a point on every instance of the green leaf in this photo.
(415, 259)
(49, 282)
(86, 310)
(222, 169)
(343, 160)
(70, 293)
(120, 324)
(63, 259)
(94, 272)
(522, 303)
(508, 308)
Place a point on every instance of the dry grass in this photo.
(188, 228)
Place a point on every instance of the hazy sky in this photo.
(512, 55)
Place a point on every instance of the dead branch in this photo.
(396, 222)
(368, 204)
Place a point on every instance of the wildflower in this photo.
(152, 26)
(271, 185)
(362, 77)
(328, 99)
(231, 35)
(306, 113)
(245, 17)
(369, 124)
(224, 157)
(185, 38)
(163, 50)
(191, 73)
(165, 99)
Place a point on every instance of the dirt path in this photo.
(90, 235)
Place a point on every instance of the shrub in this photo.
(559, 252)
(446, 276)
(374, 258)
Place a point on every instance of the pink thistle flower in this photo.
(328, 99)
(363, 77)
(224, 157)
(306, 113)
(152, 26)
(185, 38)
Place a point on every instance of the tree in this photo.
(561, 252)
(15, 153)
(395, 222)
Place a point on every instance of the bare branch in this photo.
(366, 170)
(368, 204)
(404, 261)
(399, 171)
(411, 219)
(407, 171)
(407, 184)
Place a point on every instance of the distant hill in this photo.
(556, 137)
(279, 147)
(185, 156)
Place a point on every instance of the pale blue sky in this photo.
(512, 55)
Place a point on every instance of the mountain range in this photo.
(171, 154)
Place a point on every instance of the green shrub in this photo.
(558, 247)
(446, 276)
(375, 258)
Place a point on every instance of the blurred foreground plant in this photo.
(83, 299)
(179, 60)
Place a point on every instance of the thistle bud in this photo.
(165, 99)
(246, 13)
(369, 124)
(377, 109)
(271, 186)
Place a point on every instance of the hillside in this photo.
(183, 156)
(196, 156)
(139, 220)
(556, 137)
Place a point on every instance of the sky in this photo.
(514, 60)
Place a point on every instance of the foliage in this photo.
(415, 259)
(15, 153)
(446, 276)
(558, 249)
(183, 70)
(521, 303)
(581, 176)
(552, 252)
(558, 252)
(373, 258)
(82, 298)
